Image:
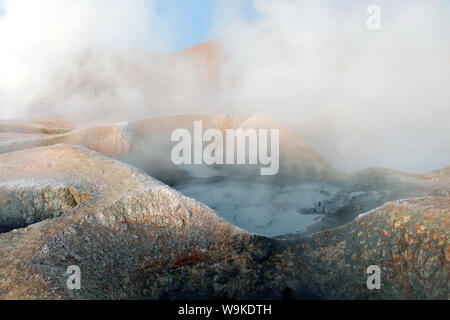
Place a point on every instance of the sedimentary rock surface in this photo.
(134, 237)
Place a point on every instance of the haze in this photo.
(359, 97)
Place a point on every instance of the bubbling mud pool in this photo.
(262, 208)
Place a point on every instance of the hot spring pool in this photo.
(262, 208)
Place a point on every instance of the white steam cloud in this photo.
(359, 97)
(44, 51)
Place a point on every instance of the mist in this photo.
(359, 97)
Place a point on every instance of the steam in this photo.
(58, 52)
(359, 97)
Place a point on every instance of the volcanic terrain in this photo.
(104, 198)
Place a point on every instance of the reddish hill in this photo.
(205, 57)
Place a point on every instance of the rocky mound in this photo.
(112, 140)
(134, 237)
(307, 195)
(147, 144)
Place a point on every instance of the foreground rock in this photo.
(134, 237)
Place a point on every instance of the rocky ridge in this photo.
(136, 238)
